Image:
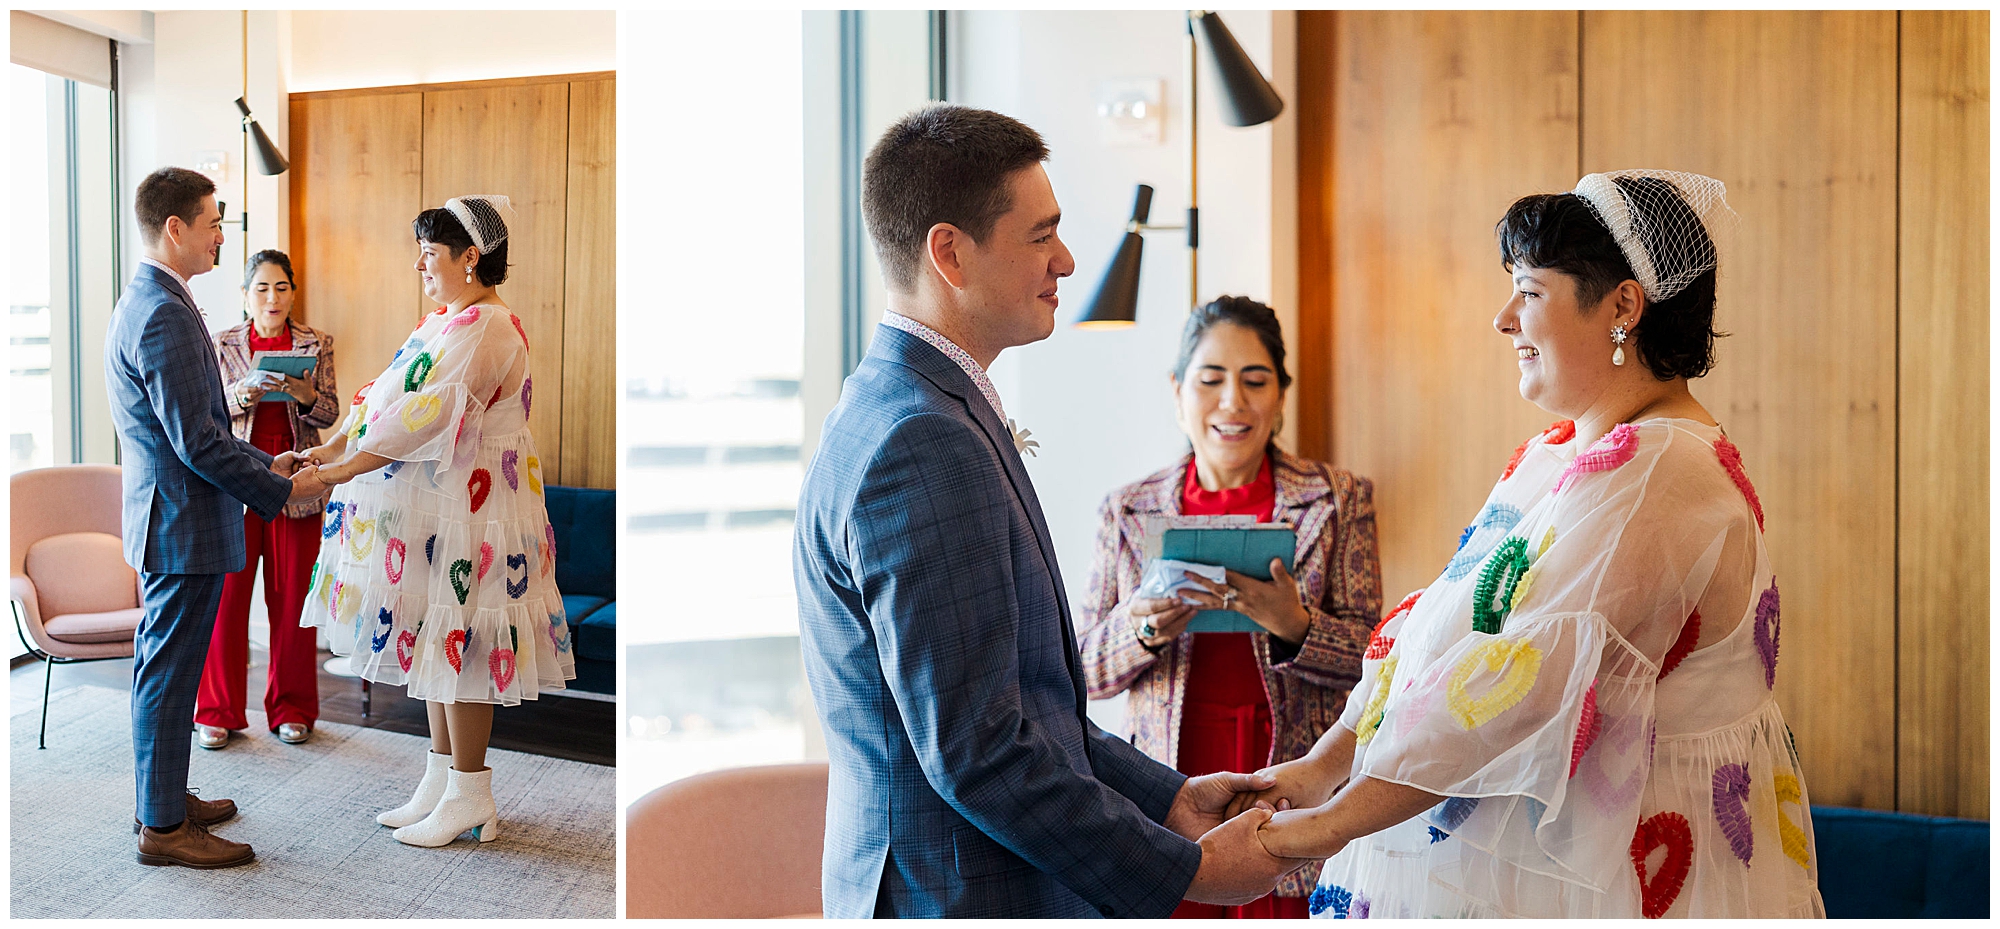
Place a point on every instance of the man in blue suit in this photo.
(187, 480)
(966, 779)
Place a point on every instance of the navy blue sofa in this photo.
(586, 523)
(1898, 865)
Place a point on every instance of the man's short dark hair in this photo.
(169, 192)
(941, 164)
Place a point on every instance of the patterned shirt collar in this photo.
(178, 279)
(958, 355)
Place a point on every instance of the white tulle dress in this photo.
(437, 571)
(1589, 681)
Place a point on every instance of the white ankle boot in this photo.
(467, 804)
(426, 798)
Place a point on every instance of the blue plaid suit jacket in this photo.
(187, 478)
(966, 780)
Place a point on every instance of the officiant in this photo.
(279, 389)
(1235, 701)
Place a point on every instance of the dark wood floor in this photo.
(562, 727)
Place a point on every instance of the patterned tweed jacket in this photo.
(232, 352)
(1340, 581)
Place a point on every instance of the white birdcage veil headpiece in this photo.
(1668, 224)
(480, 215)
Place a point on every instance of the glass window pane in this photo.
(36, 252)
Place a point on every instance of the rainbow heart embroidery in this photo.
(1766, 633)
(338, 511)
(1558, 433)
(1690, 633)
(527, 388)
(460, 570)
(455, 643)
(1492, 524)
(387, 621)
(517, 561)
(549, 529)
(485, 559)
(1413, 708)
(393, 559)
(430, 549)
(1518, 663)
(1335, 899)
(420, 371)
(360, 420)
(1732, 462)
(361, 537)
(1586, 729)
(1378, 645)
(1613, 450)
(1371, 717)
(501, 662)
(507, 460)
(1670, 830)
(534, 466)
(414, 345)
(517, 328)
(465, 317)
(1454, 811)
(1629, 738)
(420, 410)
(1528, 579)
(1491, 602)
(346, 601)
(406, 649)
(559, 633)
(1730, 794)
(1790, 835)
(479, 485)
(389, 470)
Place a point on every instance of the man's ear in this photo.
(173, 229)
(942, 245)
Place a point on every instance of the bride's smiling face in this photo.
(1563, 346)
(444, 273)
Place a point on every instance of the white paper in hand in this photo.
(1164, 577)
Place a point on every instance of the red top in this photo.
(271, 427)
(1224, 669)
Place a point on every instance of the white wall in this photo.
(1099, 402)
(337, 49)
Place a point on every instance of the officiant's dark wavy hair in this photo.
(941, 164)
(439, 227)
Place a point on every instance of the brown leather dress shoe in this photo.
(205, 812)
(191, 846)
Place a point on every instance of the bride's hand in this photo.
(1302, 785)
(1294, 834)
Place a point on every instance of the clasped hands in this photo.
(1228, 815)
(310, 480)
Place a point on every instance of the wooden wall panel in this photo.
(590, 396)
(514, 141)
(1796, 112)
(1313, 338)
(353, 254)
(1943, 585)
(1441, 120)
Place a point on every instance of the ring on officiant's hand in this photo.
(1228, 596)
(1146, 631)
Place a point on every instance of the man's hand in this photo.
(1235, 868)
(286, 463)
(307, 485)
(1198, 808)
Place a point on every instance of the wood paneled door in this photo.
(367, 161)
(1854, 295)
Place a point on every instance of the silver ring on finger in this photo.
(1228, 596)
(1147, 631)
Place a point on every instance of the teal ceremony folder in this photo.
(291, 365)
(1245, 551)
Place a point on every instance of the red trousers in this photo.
(288, 546)
(1226, 726)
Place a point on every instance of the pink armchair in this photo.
(73, 595)
(742, 843)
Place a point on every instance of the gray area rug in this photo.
(309, 811)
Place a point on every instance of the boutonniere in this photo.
(1022, 443)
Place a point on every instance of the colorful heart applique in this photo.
(1336, 900)
(1414, 706)
(500, 662)
(396, 553)
(507, 460)
(1730, 794)
(559, 633)
(1518, 663)
(361, 537)
(1622, 738)
(1670, 830)
(347, 602)
(517, 328)
(485, 559)
(1378, 645)
(1732, 462)
(519, 562)
(1790, 835)
(420, 410)
(527, 388)
(1454, 811)
(1556, 434)
(1492, 524)
(1683, 646)
(359, 395)
(406, 649)
(1586, 729)
(409, 349)
(419, 371)
(465, 317)
(549, 529)
(1371, 717)
(460, 570)
(430, 549)
(534, 467)
(338, 511)
(479, 485)
(1616, 448)
(1493, 595)
(455, 642)
(1766, 633)
(387, 620)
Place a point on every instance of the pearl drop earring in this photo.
(1618, 339)
(468, 274)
